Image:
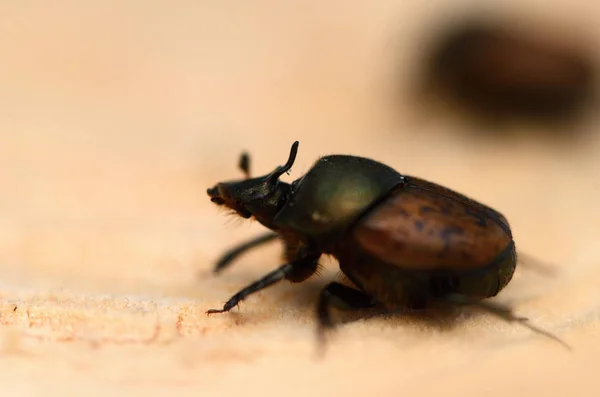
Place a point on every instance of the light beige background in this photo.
(116, 116)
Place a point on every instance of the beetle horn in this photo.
(281, 170)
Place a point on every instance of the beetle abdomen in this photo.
(419, 229)
(397, 287)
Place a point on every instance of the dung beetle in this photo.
(501, 72)
(401, 241)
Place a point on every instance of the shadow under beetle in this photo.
(401, 241)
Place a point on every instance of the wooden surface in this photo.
(114, 121)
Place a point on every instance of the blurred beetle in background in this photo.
(504, 73)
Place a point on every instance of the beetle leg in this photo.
(529, 262)
(503, 312)
(343, 297)
(284, 271)
(232, 254)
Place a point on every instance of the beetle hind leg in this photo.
(504, 312)
(342, 297)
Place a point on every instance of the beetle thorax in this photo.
(333, 193)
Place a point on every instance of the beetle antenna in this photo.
(281, 170)
(244, 164)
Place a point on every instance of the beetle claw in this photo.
(225, 309)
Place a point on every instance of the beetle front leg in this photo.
(342, 297)
(233, 253)
(301, 265)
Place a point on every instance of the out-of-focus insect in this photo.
(503, 73)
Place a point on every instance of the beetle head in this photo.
(261, 197)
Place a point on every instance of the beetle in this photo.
(401, 241)
(499, 72)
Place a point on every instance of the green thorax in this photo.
(336, 191)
